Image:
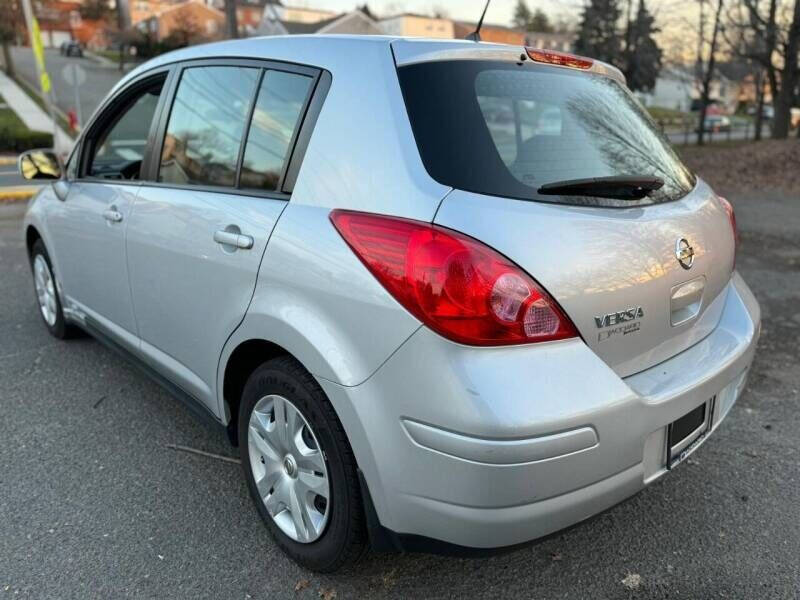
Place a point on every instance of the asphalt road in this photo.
(100, 78)
(93, 504)
(10, 176)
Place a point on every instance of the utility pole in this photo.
(124, 23)
(34, 38)
(230, 19)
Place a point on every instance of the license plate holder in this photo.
(686, 433)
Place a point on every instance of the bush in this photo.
(18, 140)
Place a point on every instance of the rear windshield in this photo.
(507, 129)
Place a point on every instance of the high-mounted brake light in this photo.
(562, 59)
(457, 286)
(732, 218)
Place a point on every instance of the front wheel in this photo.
(47, 293)
(300, 468)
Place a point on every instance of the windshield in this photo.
(506, 130)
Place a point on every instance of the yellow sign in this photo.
(38, 52)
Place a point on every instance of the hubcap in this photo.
(45, 289)
(289, 468)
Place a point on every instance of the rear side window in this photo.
(206, 125)
(505, 130)
(275, 119)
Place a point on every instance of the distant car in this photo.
(716, 123)
(424, 324)
(71, 48)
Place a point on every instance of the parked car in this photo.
(71, 48)
(717, 123)
(417, 342)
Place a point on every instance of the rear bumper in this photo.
(487, 448)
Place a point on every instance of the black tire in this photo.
(60, 329)
(344, 538)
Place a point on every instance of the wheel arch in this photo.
(31, 235)
(243, 360)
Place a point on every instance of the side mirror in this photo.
(40, 164)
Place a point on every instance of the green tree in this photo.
(540, 22)
(598, 35)
(642, 54)
(522, 15)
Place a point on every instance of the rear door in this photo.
(642, 278)
(201, 224)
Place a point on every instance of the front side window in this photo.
(206, 125)
(119, 146)
(275, 118)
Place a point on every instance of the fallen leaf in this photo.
(301, 585)
(327, 594)
(556, 556)
(389, 578)
(632, 581)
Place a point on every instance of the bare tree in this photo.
(768, 33)
(790, 73)
(9, 22)
(705, 69)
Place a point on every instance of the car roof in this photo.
(321, 50)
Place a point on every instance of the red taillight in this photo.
(457, 286)
(551, 57)
(732, 218)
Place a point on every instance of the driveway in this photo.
(94, 504)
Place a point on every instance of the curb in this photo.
(9, 195)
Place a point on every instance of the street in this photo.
(10, 175)
(94, 503)
(100, 78)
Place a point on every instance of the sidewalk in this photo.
(31, 113)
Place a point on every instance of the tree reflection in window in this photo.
(206, 125)
(275, 118)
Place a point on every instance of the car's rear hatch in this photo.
(642, 279)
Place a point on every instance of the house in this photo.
(558, 41)
(141, 10)
(248, 15)
(296, 14)
(187, 21)
(354, 22)
(678, 88)
(490, 33)
(57, 20)
(674, 88)
(416, 25)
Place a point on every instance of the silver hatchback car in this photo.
(444, 296)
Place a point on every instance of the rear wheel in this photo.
(300, 468)
(47, 293)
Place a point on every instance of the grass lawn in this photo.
(34, 95)
(15, 136)
(667, 114)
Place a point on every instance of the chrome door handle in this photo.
(112, 215)
(237, 240)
